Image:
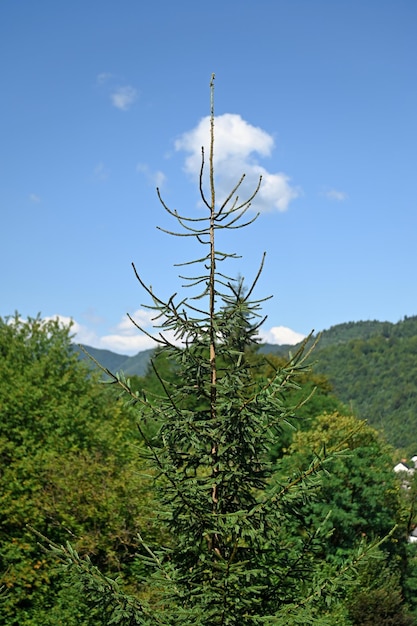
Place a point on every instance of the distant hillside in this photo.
(137, 365)
(129, 365)
(348, 331)
(372, 366)
(375, 372)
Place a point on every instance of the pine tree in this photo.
(238, 552)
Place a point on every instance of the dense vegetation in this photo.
(68, 468)
(376, 374)
(71, 468)
(221, 492)
(371, 367)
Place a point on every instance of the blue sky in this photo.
(102, 101)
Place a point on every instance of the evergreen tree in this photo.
(237, 549)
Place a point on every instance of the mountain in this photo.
(129, 365)
(371, 365)
(350, 331)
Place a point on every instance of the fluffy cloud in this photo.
(123, 97)
(281, 335)
(127, 339)
(237, 147)
(126, 344)
(81, 333)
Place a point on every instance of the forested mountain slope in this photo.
(130, 365)
(372, 367)
(376, 374)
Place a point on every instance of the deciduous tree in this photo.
(66, 469)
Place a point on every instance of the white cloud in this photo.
(156, 178)
(142, 317)
(237, 147)
(129, 345)
(281, 335)
(123, 97)
(127, 339)
(81, 333)
(33, 197)
(334, 194)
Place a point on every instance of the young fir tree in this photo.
(238, 552)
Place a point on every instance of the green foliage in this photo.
(342, 333)
(371, 368)
(359, 490)
(238, 549)
(376, 375)
(66, 469)
(263, 368)
(381, 607)
(378, 599)
(409, 577)
(312, 397)
(363, 499)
